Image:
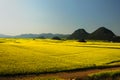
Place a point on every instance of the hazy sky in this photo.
(58, 16)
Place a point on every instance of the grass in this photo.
(28, 56)
(106, 75)
(47, 79)
(31, 78)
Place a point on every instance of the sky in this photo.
(58, 16)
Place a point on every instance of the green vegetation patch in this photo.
(107, 75)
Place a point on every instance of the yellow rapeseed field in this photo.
(28, 56)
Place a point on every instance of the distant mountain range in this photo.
(4, 36)
(45, 35)
(101, 33)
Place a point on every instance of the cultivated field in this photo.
(28, 56)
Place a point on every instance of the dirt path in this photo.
(63, 75)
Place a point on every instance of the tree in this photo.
(56, 38)
(81, 40)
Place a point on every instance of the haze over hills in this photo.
(3, 35)
(45, 35)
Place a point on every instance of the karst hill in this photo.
(79, 34)
(101, 33)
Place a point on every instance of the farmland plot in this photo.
(28, 56)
